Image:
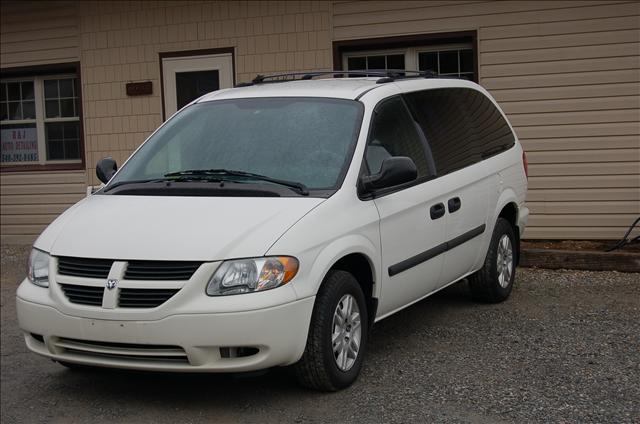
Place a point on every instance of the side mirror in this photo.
(394, 171)
(105, 169)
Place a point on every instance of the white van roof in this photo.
(340, 88)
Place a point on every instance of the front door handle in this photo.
(454, 204)
(437, 211)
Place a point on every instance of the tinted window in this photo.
(394, 133)
(306, 140)
(462, 126)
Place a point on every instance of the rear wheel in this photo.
(494, 282)
(337, 335)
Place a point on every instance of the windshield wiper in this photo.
(109, 187)
(161, 180)
(299, 187)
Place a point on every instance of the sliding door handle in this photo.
(454, 204)
(437, 211)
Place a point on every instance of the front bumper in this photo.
(198, 342)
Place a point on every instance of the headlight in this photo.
(38, 268)
(252, 275)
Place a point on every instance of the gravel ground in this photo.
(564, 348)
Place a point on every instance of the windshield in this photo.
(301, 140)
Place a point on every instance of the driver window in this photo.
(394, 133)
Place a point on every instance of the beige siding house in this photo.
(567, 73)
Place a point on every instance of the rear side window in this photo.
(462, 126)
(394, 133)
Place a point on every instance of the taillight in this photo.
(525, 164)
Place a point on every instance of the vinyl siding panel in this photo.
(575, 93)
(560, 81)
(524, 44)
(610, 49)
(32, 200)
(583, 156)
(623, 194)
(629, 169)
(582, 220)
(567, 75)
(536, 183)
(601, 129)
(579, 143)
(610, 103)
(577, 207)
(586, 22)
(36, 33)
(581, 195)
(600, 64)
(457, 17)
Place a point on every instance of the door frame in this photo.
(186, 53)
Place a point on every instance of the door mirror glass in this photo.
(394, 171)
(106, 168)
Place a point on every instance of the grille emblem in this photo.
(112, 283)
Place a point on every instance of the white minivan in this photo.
(274, 223)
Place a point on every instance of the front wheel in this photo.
(337, 335)
(493, 283)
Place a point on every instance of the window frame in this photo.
(411, 55)
(40, 73)
(365, 53)
(364, 166)
(403, 42)
(445, 47)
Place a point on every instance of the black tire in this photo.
(484, 284)
(317, 369)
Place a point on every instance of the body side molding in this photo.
(435, 251)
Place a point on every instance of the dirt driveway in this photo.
(564, 348)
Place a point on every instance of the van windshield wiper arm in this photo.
(299, 187)
(121, 183)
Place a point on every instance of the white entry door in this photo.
(188, 77)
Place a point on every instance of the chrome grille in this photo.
(144, 298)
(126, 351)
(84, 267)
(139, 297)
(83, 295)
(160, 270)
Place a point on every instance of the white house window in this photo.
(376, 61)
(40, 120)
(453, 60)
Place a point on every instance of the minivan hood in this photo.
(172, 228)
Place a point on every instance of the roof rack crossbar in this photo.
(386, 75)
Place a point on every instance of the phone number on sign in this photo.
(19, 145)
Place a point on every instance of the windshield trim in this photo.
(323, 192)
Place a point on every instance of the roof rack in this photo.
(386, 75)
